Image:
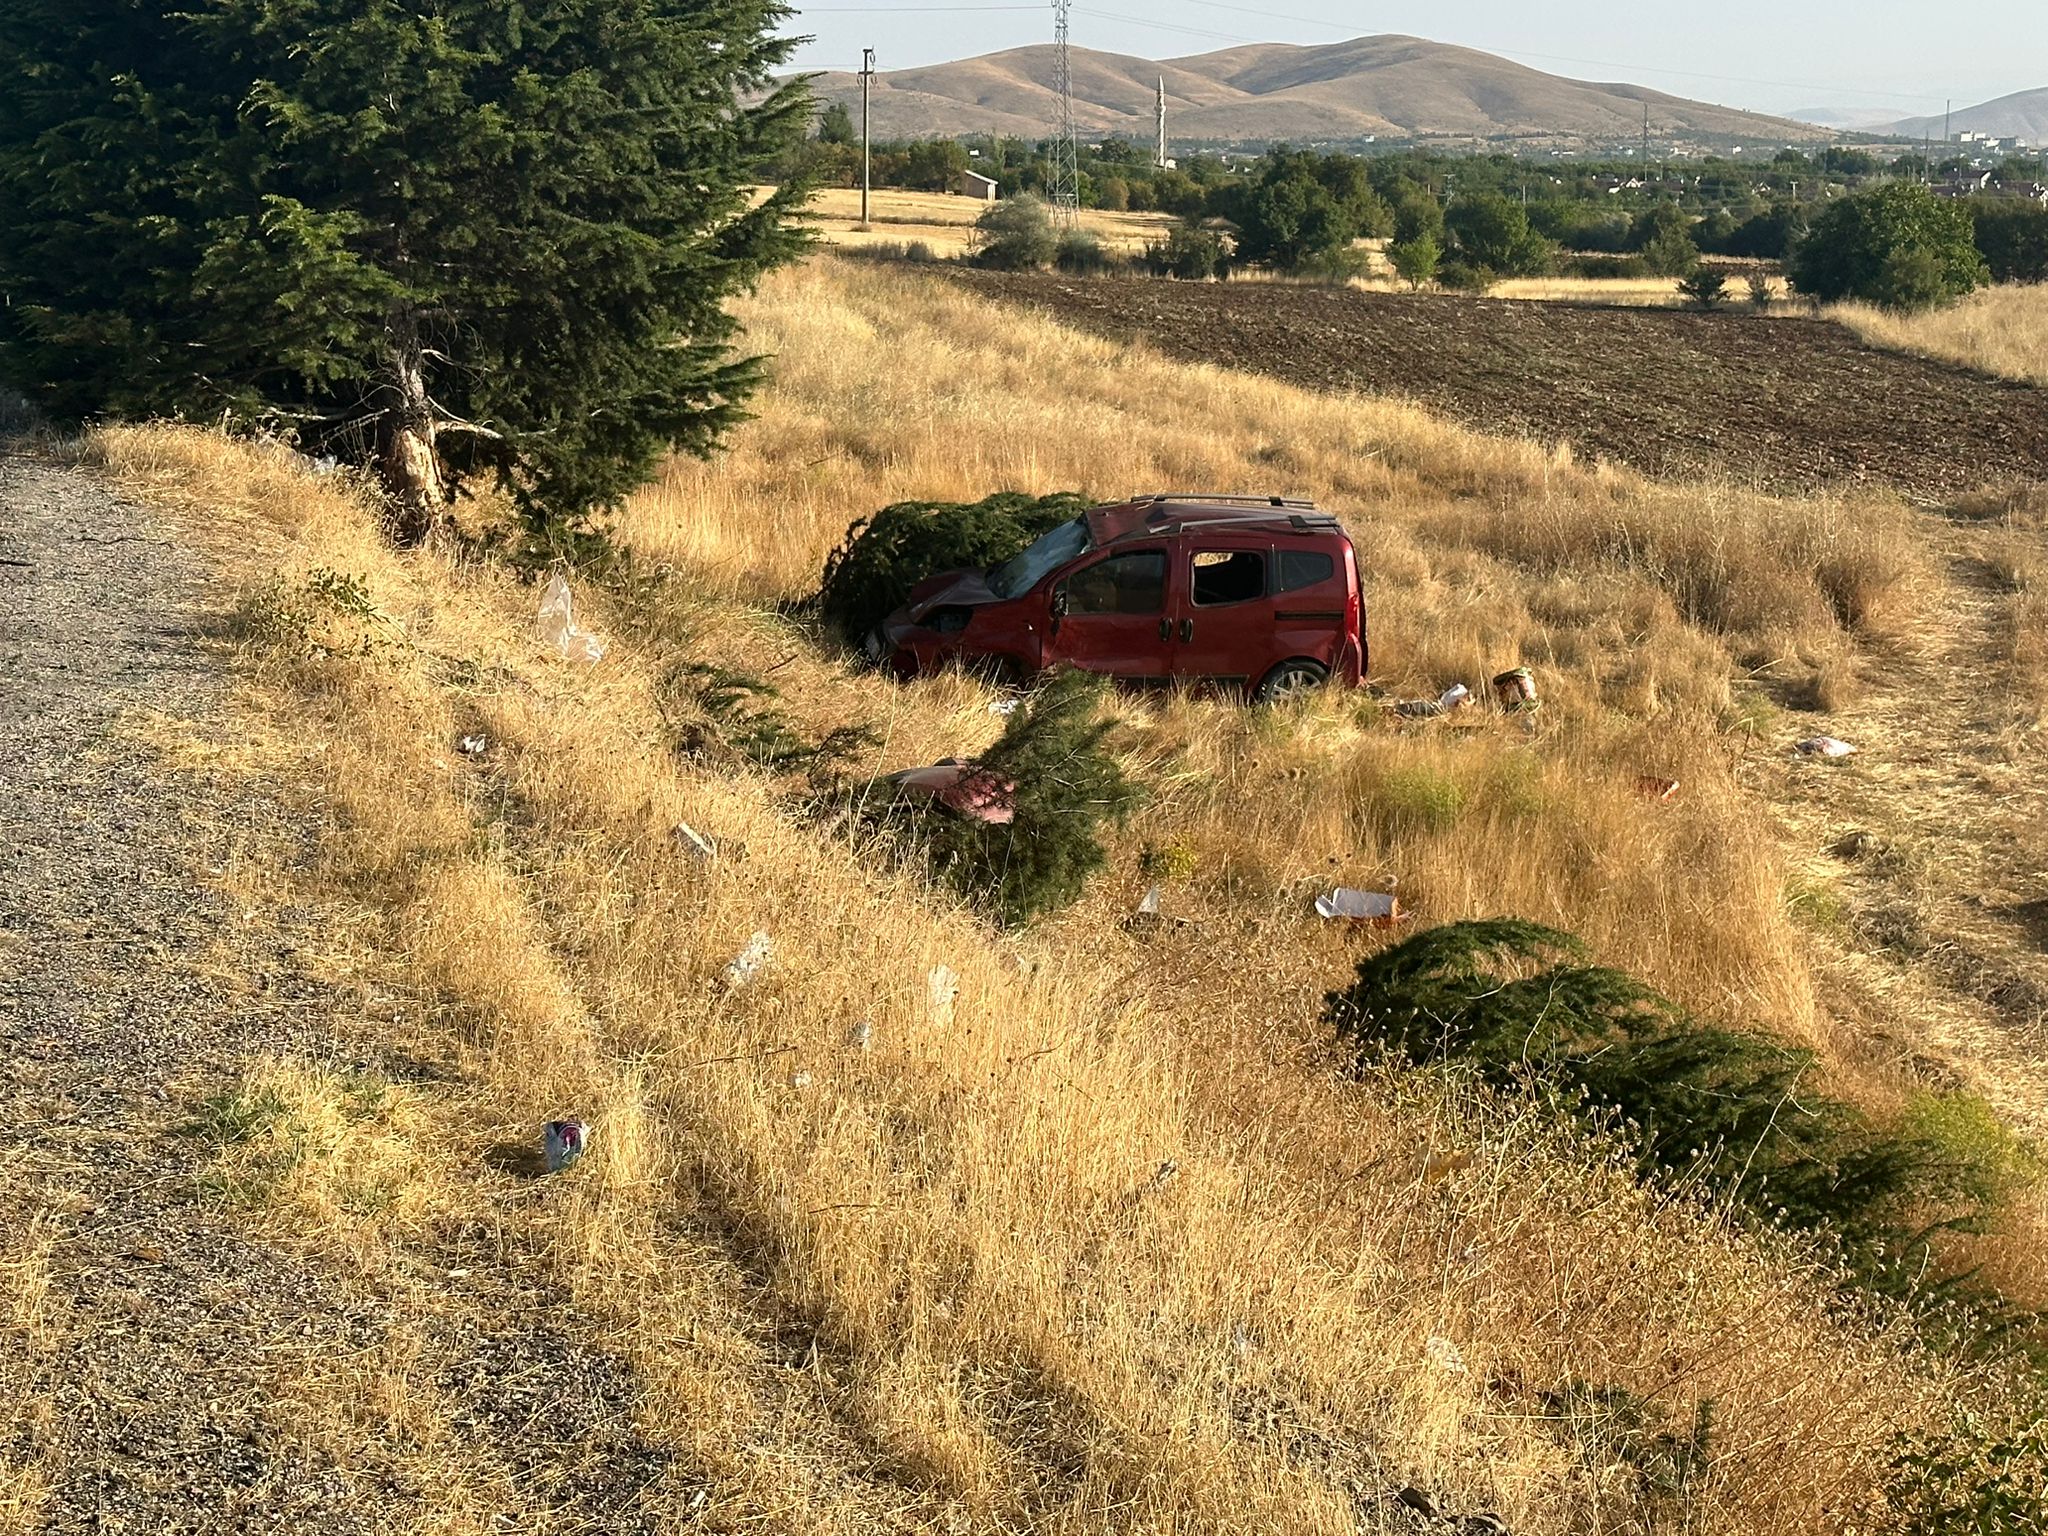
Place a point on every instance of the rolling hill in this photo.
(1389, 86)
(2023, 114)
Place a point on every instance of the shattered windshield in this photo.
(1019, 574)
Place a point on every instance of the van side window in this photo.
(1304, 568)
(1133, 583)
(1228, 576)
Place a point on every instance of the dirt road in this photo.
(1789, 401)
(153, 1346)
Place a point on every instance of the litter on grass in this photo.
(475, 745)
(941, 986)
(1148, 918)
(1515, 689)
(1824, 746)
(1004, 706)
(693, 842)
(1382, 909)
(749, 962)
(562, 1142)
(966, 789)
(1654, 788)
(862, 1035)
(558, 625)
(1457, 696)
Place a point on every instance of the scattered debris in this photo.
(475, 745)
(1243, 1342)
(862, 1035)
(941, 987)
(1382, 909)
(800, 1080)
(1457, 696)
(1854, 845)
(1824, 746)
(1515, 689)
(967, 789)
(1148, 919)
(562, 1142)
(1004, 706)
(1444, 1354)
(1654, 788)
(558, 625)
(748, 963)
(693, 842)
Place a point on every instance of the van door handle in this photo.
(1187, 630)
(1166, 629)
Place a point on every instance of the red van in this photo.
(1260, 593)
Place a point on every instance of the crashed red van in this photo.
(1257, 592)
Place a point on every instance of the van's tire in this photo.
(1290, 680)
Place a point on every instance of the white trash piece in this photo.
(474, 745)
(1824, 746)
(558, 624)
(941, 987)
(1381, 908)
(749, 962)
(862, 1035)
(1457, 696)
(693, 842)
(1149, 907)
(1444, 1354)
(1004, 706)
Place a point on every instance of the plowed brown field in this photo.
(1788, 401)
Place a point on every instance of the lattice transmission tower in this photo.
(1063, 184)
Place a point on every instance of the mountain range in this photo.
(2023, 114)
(1387, 87)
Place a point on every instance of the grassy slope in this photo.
(2001, 331)
(1009, 1316)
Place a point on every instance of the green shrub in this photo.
(2012, 235)
(1069, 784)
(1418, 800)
(870, 574)
(712, 709)
(1705, 287)
(1015, 235)
(1727, 1111)
(1080, 254)
(1899, 246)
(1973, 1479)
(1415, 261)
(1189, 252)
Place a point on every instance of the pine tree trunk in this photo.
(407, 458)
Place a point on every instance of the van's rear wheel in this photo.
(1291, 680)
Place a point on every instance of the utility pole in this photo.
(867, 73)
(1646, 139)
(1159, 154)
(1948, 108)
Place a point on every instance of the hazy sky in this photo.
(1773, 57)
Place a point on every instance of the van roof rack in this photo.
(1200, 499)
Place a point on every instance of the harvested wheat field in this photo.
(1099, 1232)
(1787, 401)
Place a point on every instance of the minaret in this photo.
(1159, 156)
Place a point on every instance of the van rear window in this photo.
(1304, 568)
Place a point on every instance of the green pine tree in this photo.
(446, 238)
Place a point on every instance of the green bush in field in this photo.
(1418, 800)
(1728, 1111)
(1899, 246)
(870, 574)
(1016, 235)
(1069, 785)
(1972, 1479)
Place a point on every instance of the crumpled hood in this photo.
(948, 589)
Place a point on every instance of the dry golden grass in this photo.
(26, 1334)
(945, 222)
(1012, 1320)
(2001, 331)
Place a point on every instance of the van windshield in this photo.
(1020, 573)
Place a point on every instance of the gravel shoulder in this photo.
(157, 1345)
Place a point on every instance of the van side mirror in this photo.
(1059, 601)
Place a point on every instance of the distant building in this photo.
(977, 186)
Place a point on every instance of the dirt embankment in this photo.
(1789, 401)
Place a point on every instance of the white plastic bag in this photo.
(558, 625)
(941, 986)
(749, 962)
(1824, 746)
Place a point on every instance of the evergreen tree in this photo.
(1733, 1109)
(440, 238)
